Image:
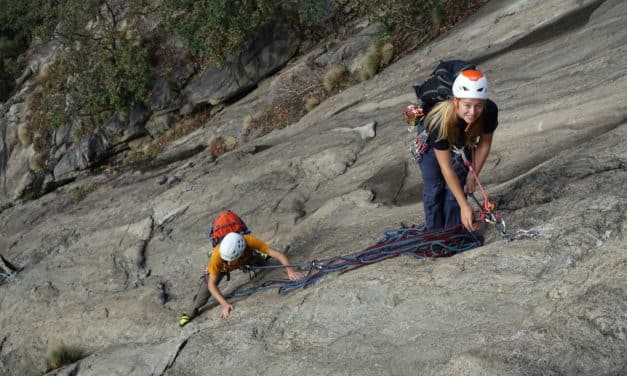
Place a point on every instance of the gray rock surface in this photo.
(89, 150)
(215, 86)
(95, 271)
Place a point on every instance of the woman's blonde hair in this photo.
(443, 119)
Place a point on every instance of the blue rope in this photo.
(407, 240)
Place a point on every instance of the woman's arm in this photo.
(446, 167)
(481, 155)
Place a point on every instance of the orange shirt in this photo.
(217, 265)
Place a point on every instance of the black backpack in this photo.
(438, 86)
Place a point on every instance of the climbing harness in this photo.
(407, 240)
(418, 146)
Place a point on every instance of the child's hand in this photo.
(292, 275)
(226, 311)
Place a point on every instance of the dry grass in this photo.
(221, 145)
(275, 116)
(80, 193)
(289, 101)
(387, 54)
(334, 76)
(311, 102)
(23, 134)
(179, 129)
(62, 355)
(369, 64)
(38, 128)
(35, 163)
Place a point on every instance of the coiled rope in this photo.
(407, 240)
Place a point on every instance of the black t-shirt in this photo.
(490, 122)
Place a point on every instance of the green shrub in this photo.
(63, 354)
(408, 22)
(438, 16)
(99, 72)
(218, 29)
(17, 21)
(312, 13)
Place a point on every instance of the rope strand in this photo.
(406, 240)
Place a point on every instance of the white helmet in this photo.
(232, 246)
(470, 84)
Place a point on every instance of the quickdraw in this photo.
(412, 114)
(487, 213)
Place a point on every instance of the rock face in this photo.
(114, 271)
(214, 86)
(179, 92)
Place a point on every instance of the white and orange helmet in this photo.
(470, 84)
(232, 246)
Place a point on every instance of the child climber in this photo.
(454, 126)
(233, 252)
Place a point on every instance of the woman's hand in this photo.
(467, 214)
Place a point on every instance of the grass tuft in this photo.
(311, 102)
(80, 193)
(63, 354)
(334, 76)
(178, 130)
(370, 64)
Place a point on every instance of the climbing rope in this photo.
(407, 240)
(487, 212)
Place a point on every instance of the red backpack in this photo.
(224, 223)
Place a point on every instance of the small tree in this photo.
(218, 29)
(101, 69)
(17, 20)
